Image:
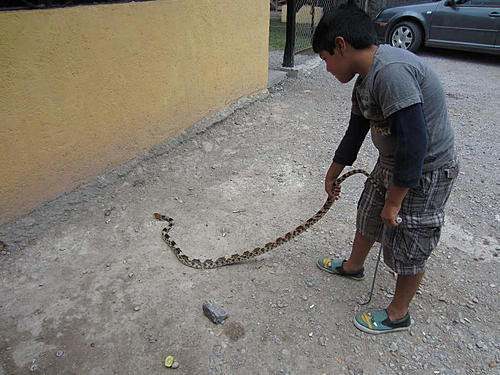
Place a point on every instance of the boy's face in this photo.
(339, 64)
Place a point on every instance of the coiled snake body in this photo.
(246, 255)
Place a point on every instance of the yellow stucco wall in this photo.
(83, 89)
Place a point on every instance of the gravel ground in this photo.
(88, 286)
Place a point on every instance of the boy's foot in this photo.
(335, 265)
(378, 322)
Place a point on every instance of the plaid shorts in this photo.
(407, 246)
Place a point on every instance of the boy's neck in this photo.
(364, 60)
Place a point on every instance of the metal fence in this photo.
(302, 22)
(307, 15)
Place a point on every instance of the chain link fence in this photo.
(307, 14)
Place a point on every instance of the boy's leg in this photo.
(409, 247)
(395, 317)
(406, 287)
(353, 267)
(414, 245)
(369, 223)
(360, 249)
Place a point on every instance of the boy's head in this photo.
(343, 30)
(348, 22)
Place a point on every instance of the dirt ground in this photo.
(89, 287)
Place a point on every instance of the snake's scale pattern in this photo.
(248, 254)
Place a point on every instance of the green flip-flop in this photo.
(378, 322)
(335, 266)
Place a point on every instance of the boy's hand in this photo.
(333, 173)
(395, 196)
(334, 192)
(389, 214)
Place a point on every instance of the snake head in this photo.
(157, 216)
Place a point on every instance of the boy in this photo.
(400, 100)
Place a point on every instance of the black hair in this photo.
(347, 21)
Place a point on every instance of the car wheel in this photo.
(406, 35)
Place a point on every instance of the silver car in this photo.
(471, 25)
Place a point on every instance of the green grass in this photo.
(277, 36)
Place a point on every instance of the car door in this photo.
(465, 22)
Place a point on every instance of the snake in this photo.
(259, 250)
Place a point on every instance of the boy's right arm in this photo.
(346, 152)
(333, 173)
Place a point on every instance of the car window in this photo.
(485, 3)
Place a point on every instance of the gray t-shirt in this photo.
(399, 79)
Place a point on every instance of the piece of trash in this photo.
(169, 361)
(175, 365)
(239, 211)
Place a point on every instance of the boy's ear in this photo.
(340, 44)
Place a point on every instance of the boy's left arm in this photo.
(410, 129)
